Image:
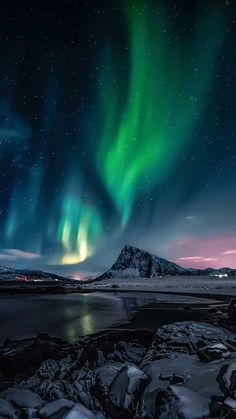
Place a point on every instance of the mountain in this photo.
(134, 262)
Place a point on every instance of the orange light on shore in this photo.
(23, 278)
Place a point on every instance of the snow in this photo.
(81, 412)
(200, 377)
(191, 404)
(194, 285)
(135, 376)
(230, 403)
(126, 273)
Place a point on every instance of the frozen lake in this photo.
(73, 315)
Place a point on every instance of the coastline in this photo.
(178, 369)
(135, 369)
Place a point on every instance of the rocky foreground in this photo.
(186, 370)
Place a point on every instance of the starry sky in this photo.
(117, 126)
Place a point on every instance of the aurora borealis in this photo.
(117, 125)
(166, 93)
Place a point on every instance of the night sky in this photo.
(117, 125)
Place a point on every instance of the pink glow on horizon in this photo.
(83, 276)
(77, 277)
(216, 252)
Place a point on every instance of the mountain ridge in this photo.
(135, 262)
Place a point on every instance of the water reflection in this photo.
(87, 324)
(75, 315)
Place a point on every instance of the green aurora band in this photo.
(78, 230)
(168, 85)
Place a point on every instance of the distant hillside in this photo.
(24, 275)
(134, 262)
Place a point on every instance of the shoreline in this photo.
(211, 295)
(218, 297)
(150, 366)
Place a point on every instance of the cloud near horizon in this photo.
(229, 252)
(197, 259)
(217, 251)
(17, 256)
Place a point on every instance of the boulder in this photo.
(173, 402)
(125, 387)
(212, 352)
(59, 406)
(186, 337)
(78, 411)
(230, 403)
(227, 379)
(191, 405)
(20, 356)
(22, 397)
(7, 409)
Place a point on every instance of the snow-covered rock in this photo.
(133, 262)
(125, 374)
(125, 386)
(231, 403)
(190, 404)
(187, 337)
(212, 352)
(227, 379)
(7, 410)
(59, 406)
(78, 411)
(22, 397)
